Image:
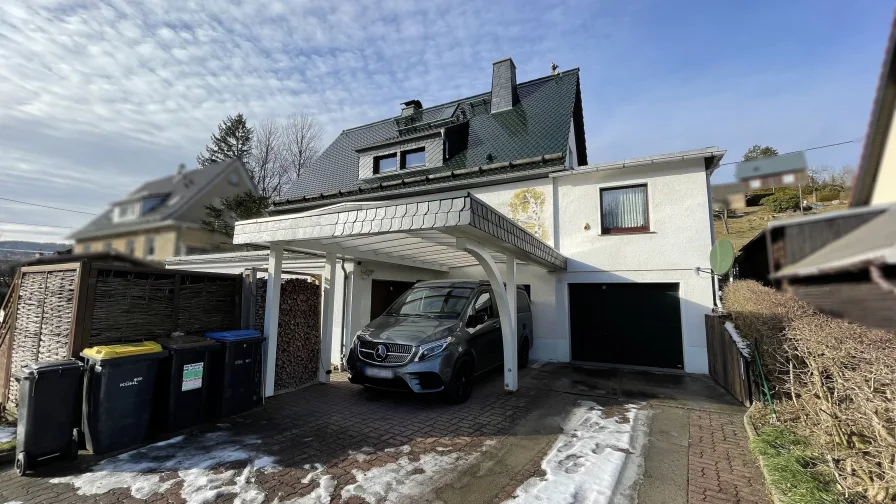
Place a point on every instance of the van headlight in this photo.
(435, 348)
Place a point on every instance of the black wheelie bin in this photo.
(49, 398)
(118, 394)
(237, 372)
(182, 392)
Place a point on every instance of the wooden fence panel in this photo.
(727, 364)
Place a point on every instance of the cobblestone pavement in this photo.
(316, 437)
(721, 469)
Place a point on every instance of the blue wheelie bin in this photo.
(236, 371)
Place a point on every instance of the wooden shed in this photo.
(59, 305)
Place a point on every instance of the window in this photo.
(788, 178)
(385, 164)
(126, 211)
(129, 247)
(414, 158)
(150, 204)
(86, 248)
(483, 304)
(755, 184)
(149, 246)
(430, 301)
(624, 210)
(107, 247)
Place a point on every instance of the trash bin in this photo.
(118, 394)
(182, 388)
(49, 394)
(237, 372)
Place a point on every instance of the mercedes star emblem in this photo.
(380, 352)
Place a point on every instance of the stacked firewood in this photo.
(298, 335)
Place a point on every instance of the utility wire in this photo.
(35, 225)
(46, 206)
(804, 150)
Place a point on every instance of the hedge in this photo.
(834, 383)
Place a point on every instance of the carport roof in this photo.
(421, 233)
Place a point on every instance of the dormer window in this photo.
(414, 158)
(385, 164)
(127, 211)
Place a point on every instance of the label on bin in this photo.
(192, 377)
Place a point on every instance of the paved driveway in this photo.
(340, 443)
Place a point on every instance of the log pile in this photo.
(298, 335)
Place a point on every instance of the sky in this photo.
(97, 97)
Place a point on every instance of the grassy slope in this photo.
(755, 219)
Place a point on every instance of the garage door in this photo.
(383, 293)
(633, 324)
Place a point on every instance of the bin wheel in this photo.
(73, 450)
(21, 464)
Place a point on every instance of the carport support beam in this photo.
(505, 312)
(272, 316)
(328, 284)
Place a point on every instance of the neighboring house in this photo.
(498, 186)
(161, 218)
(785, 170)
(729, 196)
(853, 274)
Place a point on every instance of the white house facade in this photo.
(614, 256)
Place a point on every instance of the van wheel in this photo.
(522, 355)
(461, 386)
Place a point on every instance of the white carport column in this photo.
(326, 323)
(505, 312)
(272, 316)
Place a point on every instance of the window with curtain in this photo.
(624, 210)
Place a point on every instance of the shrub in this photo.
(826, 196)
(834, 384)
(784, 199)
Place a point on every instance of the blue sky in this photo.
(99, 96)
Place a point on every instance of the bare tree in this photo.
(302, 137)
(267, 164)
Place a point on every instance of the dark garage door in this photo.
(633, 324)
(383, 293)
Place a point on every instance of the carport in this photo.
(426, 232)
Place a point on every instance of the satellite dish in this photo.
(721, 257)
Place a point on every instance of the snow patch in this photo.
(7, 433)
(193, 459)
(404, 478)
(585, 461)
(740, 342)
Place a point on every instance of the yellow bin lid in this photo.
(122, 350)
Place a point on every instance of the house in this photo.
(162, 217)
(784, 170)
(730, 196)
(498, 186)
(853, 274)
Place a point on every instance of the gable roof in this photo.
(178, 192)
(773, 165)
(535, 131)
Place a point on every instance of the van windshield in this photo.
(430, 301)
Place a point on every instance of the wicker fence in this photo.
(60, 309)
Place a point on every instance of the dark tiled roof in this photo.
(537, 126)
(180, 191)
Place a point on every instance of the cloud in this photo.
(99, 96)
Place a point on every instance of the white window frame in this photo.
(127, 211)
(755, 184)
(788, 178)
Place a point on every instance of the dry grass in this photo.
(834, 383)
(755, 219)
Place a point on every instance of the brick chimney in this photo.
(504, 95)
